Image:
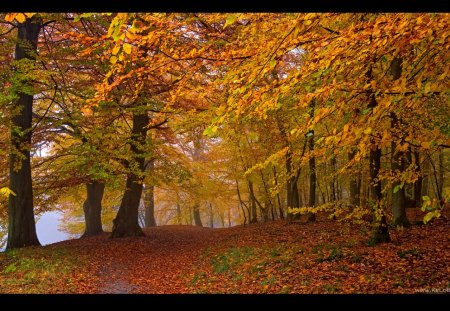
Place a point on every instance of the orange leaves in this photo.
(20, 17)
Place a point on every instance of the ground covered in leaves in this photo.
(276, 257)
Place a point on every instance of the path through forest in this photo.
(275, 257)
(151, 264)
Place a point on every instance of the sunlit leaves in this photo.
(6, 192)
(20, 17)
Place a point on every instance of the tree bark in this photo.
(380, 233)
(354, 189)
(333, 163)
(92, 208)
(126, 222)
(280, 207)
(149, 200)
(197, 218)
(253, 216)
(398, 166)
(418, 183)
(211, 216)
(441, 172)
(312, 168)
(179, 218)
(21, 223)
(398, 159)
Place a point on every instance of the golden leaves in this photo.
(20, 17)
(127, 48)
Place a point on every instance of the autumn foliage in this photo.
(307, 123)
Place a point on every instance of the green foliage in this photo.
(234, 256)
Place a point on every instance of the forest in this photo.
(226, 152)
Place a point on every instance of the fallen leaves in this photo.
(276, 257)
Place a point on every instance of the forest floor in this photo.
(275, 257)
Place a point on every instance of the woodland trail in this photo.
(275, 257)
(155, 263)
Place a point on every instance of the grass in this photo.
(39, 270)
(231, 258)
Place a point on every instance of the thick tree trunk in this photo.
(126, 222)
(92, 208)
(398, 159)
(21, 223)
(354, 189)
(197, 218)
(380, 233)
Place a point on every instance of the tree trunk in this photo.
(149, 199)
(242, 203)
(126, 222)
(280, 207)
(253, 216)
(197, 218)
(333, 163)
(312, 168)
(398, 159)
(21, 223)
(92, 207)
(380, 233)
(354, 189)
(211, 216)
(418, 183)
(398, 166)
(179, 218)
(441, 172)
(149, 203)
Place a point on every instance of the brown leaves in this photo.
(275, 257)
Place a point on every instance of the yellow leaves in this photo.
(127, 48)
(419, 82)
(427, 87)
(231, 19)
(115, 50)
(367, 131)
(87, 111)
(113, 60)
(309, 17)
(426, 145)
(345, 129)
(20, 17)
(402, 147)
(6, 192)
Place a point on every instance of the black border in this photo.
(226, 6)
(228, 302)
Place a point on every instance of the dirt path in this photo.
(155, 263)
(275, 257)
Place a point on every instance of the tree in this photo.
(149, 199)
(126, 221)
(21, 228)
